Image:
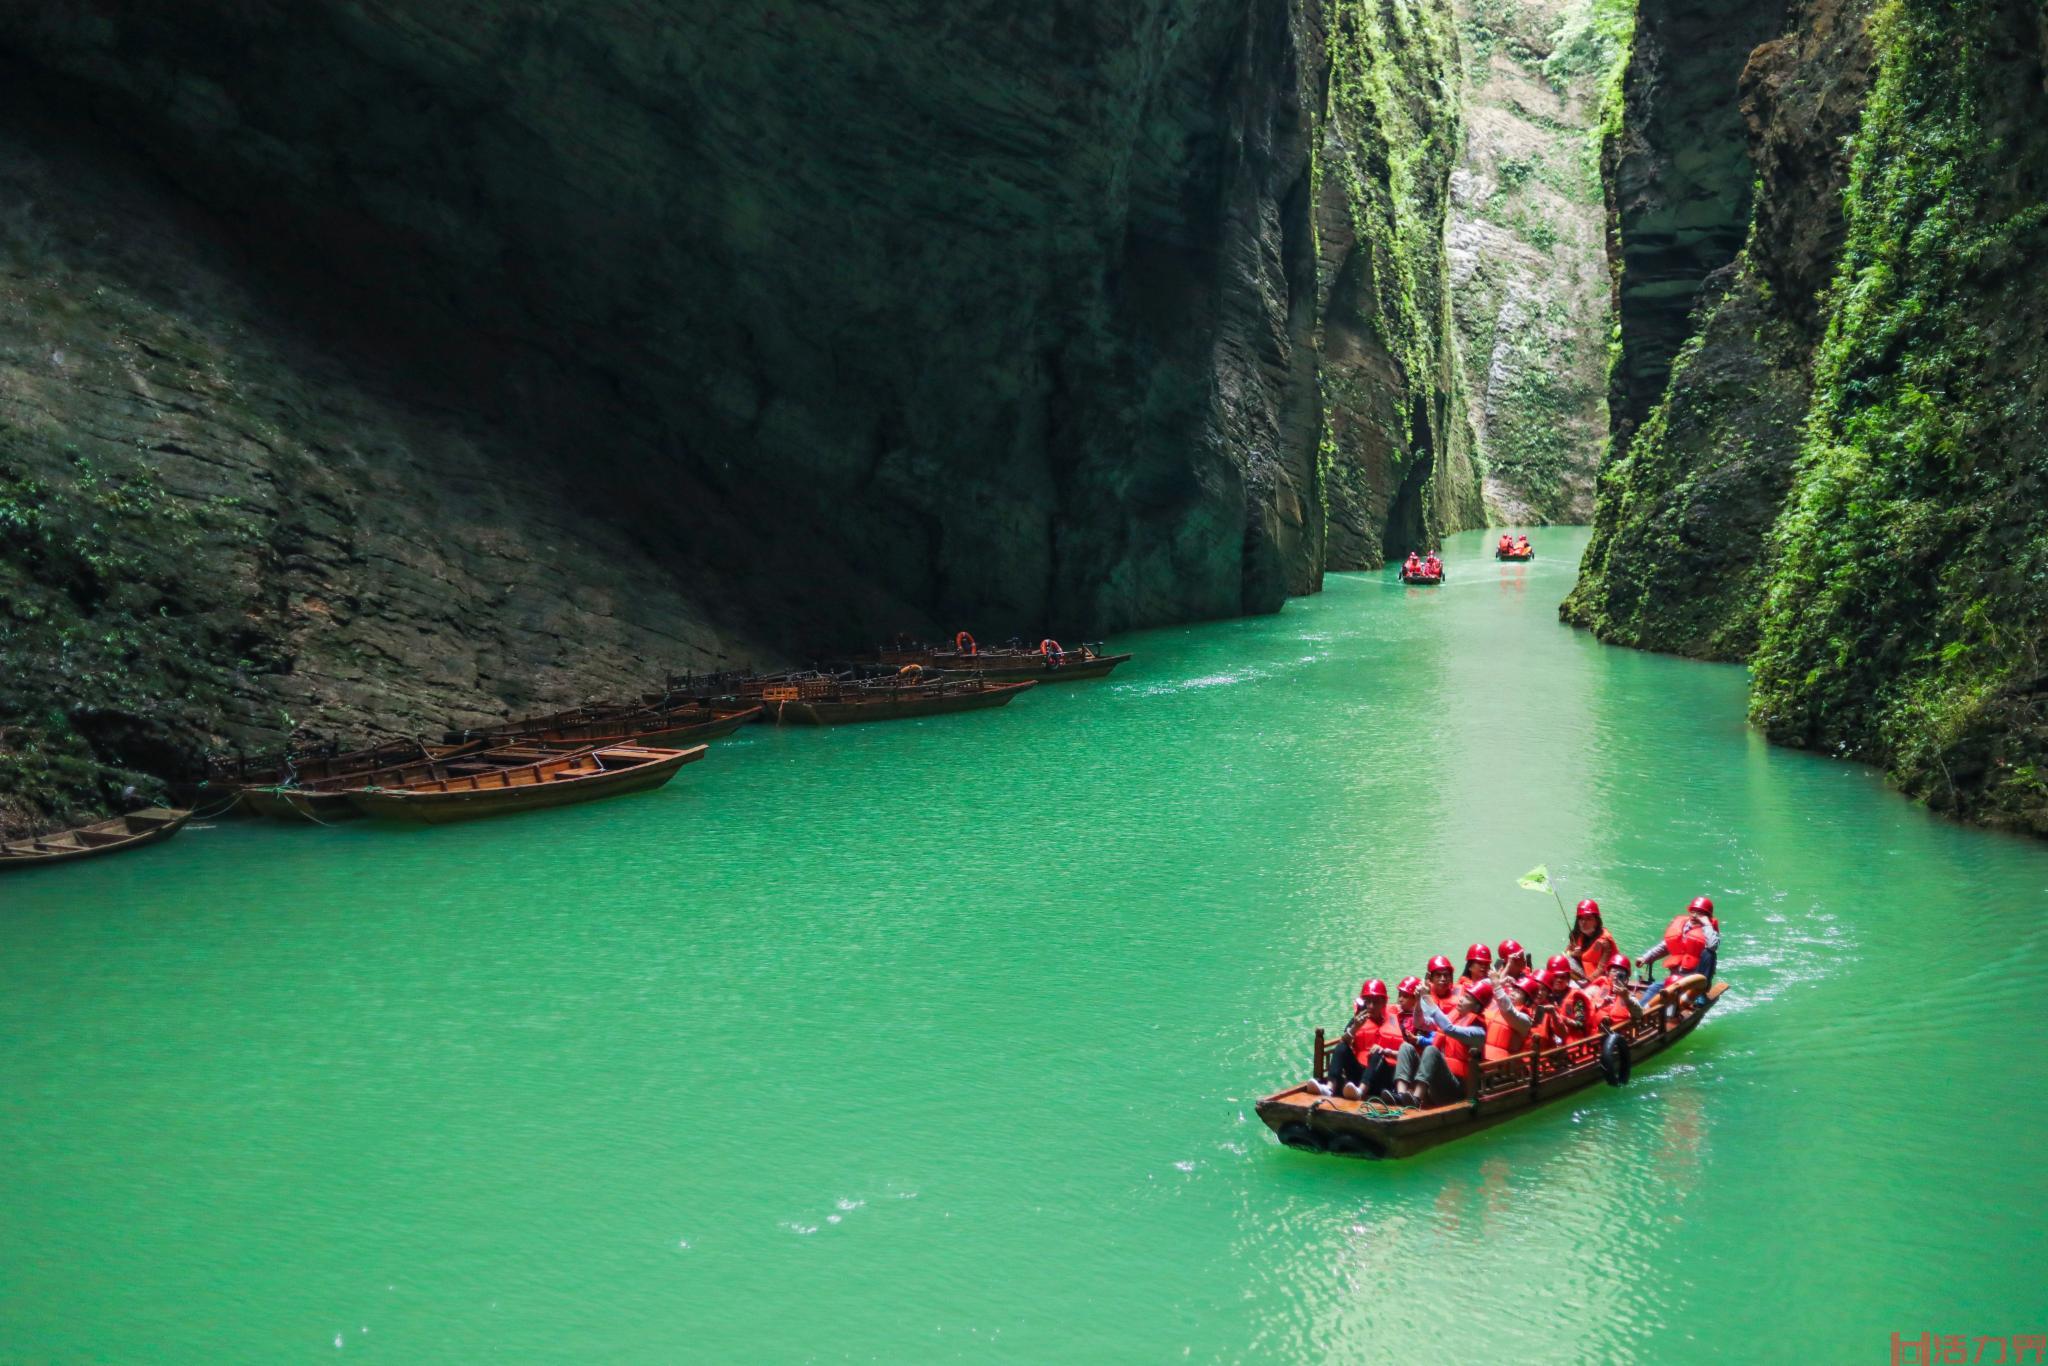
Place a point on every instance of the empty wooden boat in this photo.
(666, 728)
(834, 702)
(558, 780)
(322, 800)
(1008, 664)
(319, 765)
(132, 831)
(1303, 1117)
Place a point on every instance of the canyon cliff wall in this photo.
(1528, 248)
(1839, 476)
(371, 368)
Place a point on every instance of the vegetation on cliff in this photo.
(1908, 615)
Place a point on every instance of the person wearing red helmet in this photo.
(1408, 1005)
(1514, 959)
(1362, 1064)
(1691, 943)
(1614, 1005)
(1573, 1019)
(1435, 1074)
(1478, 964)
(1509, 1018)
(1590, 945)
(1442, 993)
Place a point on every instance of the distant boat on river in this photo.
(1007, 663)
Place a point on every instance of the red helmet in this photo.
(1621, 961)
(1558, 963)
(1703, 904)
(1588, 907)
(1479, 953)
(1375, 990)
(1440, 964)
(1480, 991)
(1529, 985)
(1410, 986)
(1556, 977)
(1509, 948)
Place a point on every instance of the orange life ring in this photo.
(1051, 650)
(964, 643)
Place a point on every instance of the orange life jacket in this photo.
(1594, 958)
(1683, 945)
(1454, 1049)
(1503, 1038)
(1563, 1031)
(1386, 1034)
(1608, 1005)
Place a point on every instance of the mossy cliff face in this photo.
(1680, 556)
(1842, 482)
(1907, 621)
(522, 351)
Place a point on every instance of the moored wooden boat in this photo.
(322, 800)
(1007, 665)
(833, 702)
(131, 831)
(559, 780)
(1305, 1118)
(664, 727)
(317, 765)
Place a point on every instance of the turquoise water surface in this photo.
(939, 1040)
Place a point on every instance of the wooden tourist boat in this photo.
(558, 780)
(833, 702)
(1305, 1118)
(1007, 665)
(326, 799)
(1424, 579)
(319, 765)
(1518, 554)
(664, 728)
(132, 831)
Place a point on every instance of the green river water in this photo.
(940, 1040)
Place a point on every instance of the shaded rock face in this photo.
(768, 328)
(1528, 250)
(1842, 482)
(1678, 176)
(1680, 554)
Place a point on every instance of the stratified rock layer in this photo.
(768, 328)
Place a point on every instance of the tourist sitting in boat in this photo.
(1556, 976)
(1478, 964)
(1362, 1064)
(1590, 947)
(1432, 567)
(1691, 943)
(1573, 1020)
(1514, 959)
(1408, 1005)
(1412, 566)
(1507, 544)
(1509, 1018)
(1435, 1074)
(1521, 545)
(1614, 1005)
(1437, 977)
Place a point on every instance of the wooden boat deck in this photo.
(832, 703)
(89, 841)
(1305, 1118)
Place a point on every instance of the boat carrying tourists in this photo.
(1452, 1055)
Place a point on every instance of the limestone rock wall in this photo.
(610, 333)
